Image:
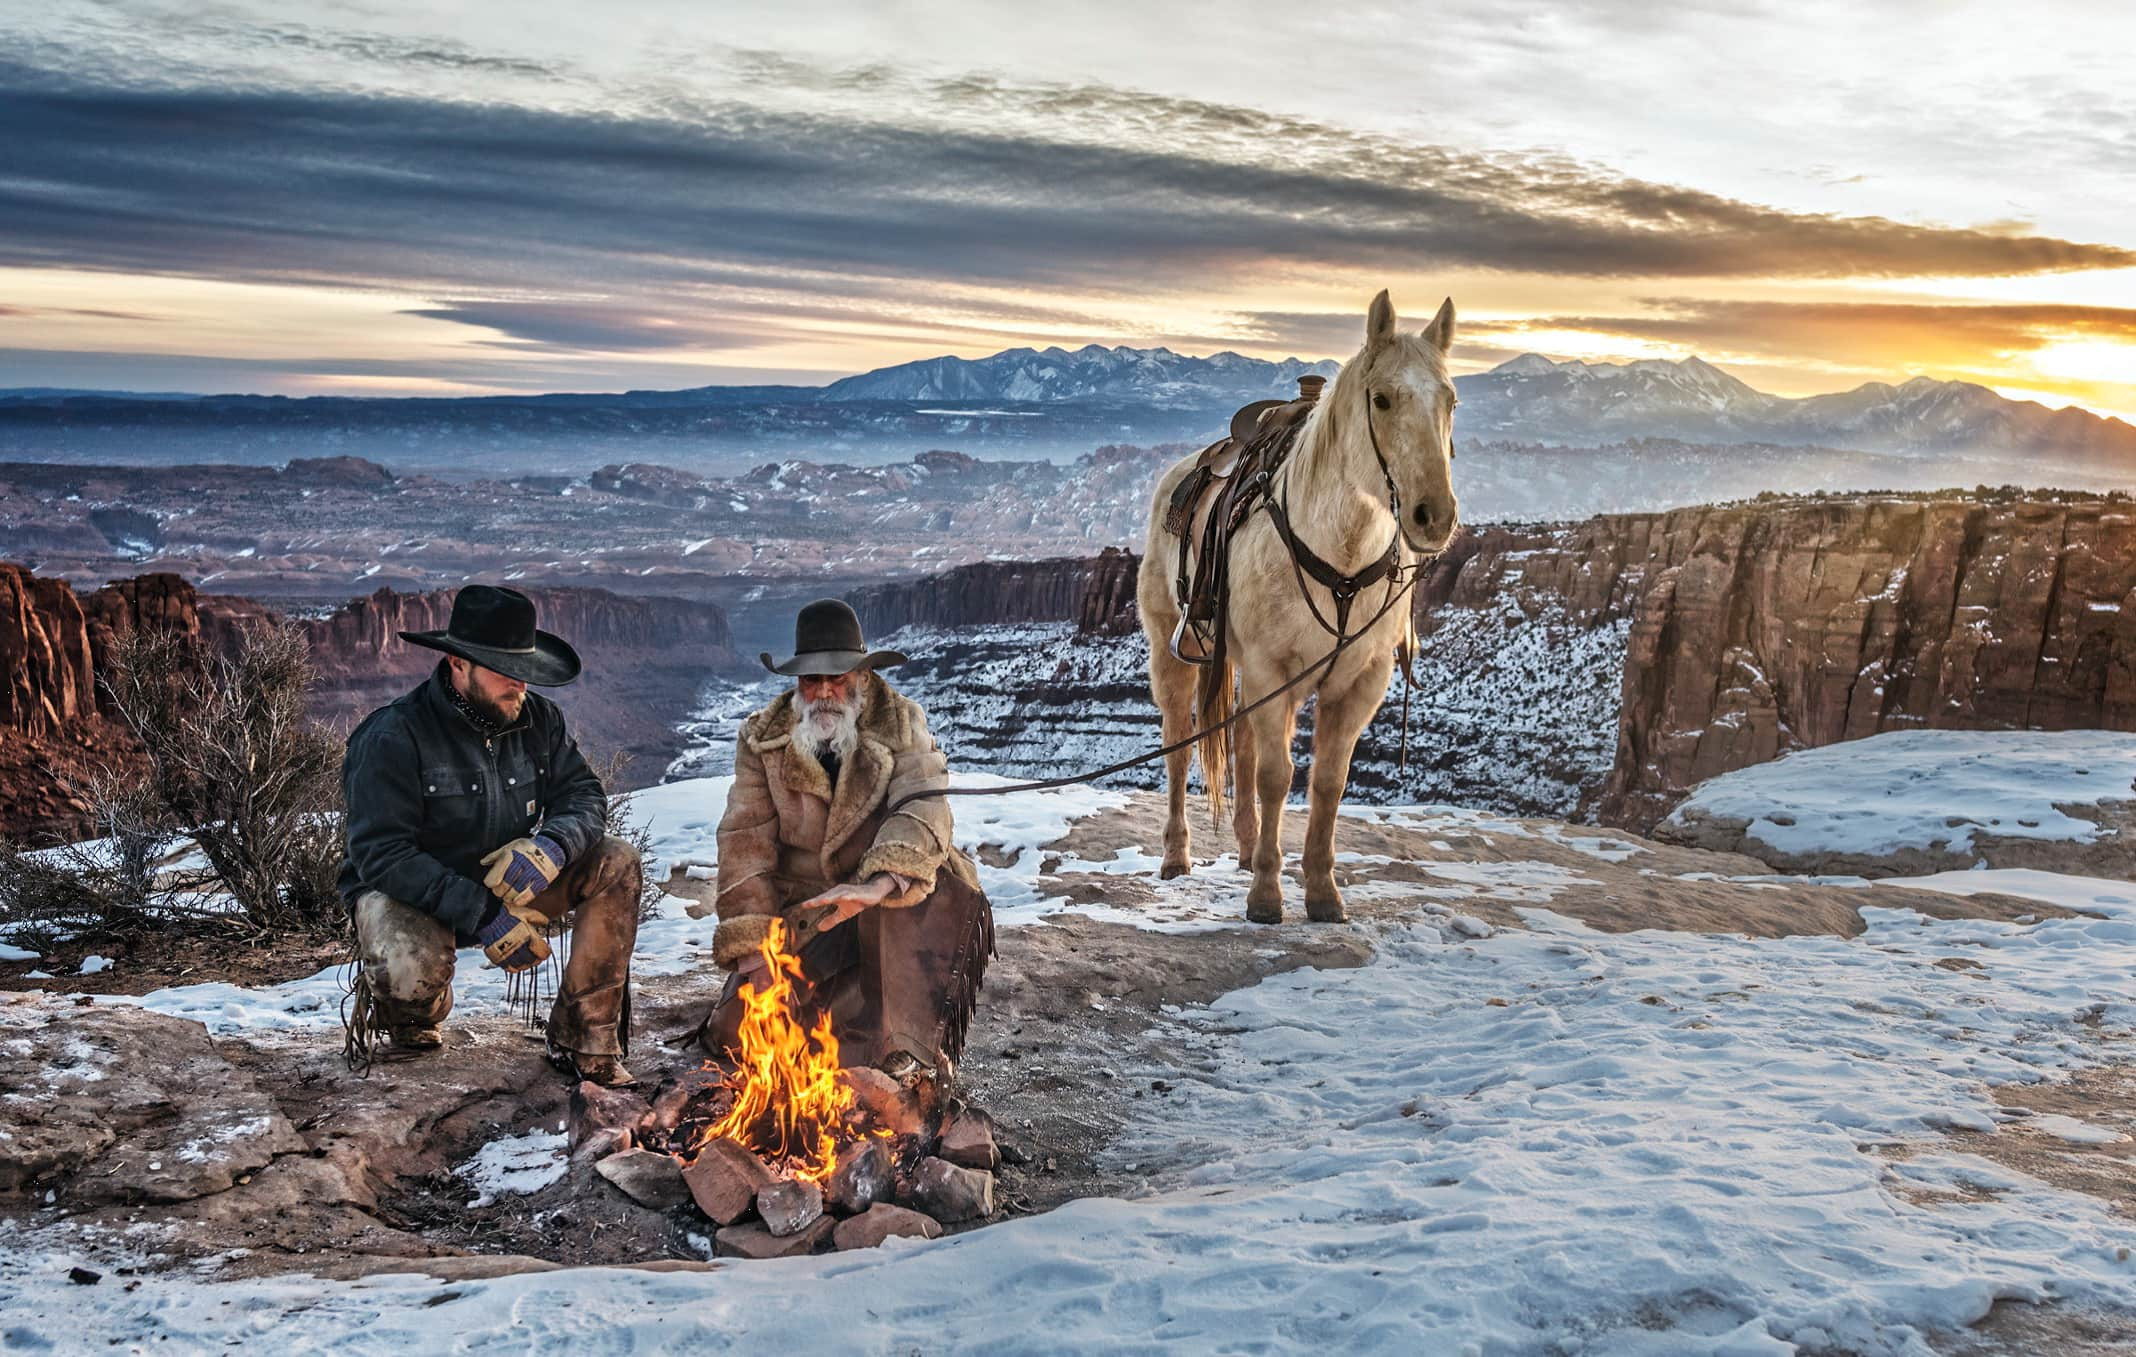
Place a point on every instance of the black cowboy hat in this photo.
(827, 641)
(494, 627)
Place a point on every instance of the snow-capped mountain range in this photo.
(1056, 403)
(1093, 372)
(1534, 398)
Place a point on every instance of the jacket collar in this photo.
(865, 777)
(438, 691)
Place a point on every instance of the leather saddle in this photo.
(1214, 498)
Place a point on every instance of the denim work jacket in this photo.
(429, 796)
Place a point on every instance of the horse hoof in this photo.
(1326, 912)
(1170, 870)
(1264, 912)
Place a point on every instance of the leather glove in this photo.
(523, 869)
(511, 942)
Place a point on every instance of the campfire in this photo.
(791, 1105)
(789, 1152)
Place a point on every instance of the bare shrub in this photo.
(235, 761)
(616, 820)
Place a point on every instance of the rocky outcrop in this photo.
(989, 593)
(1768, 627)
(646, 659)
(47, 673)
(359, 644)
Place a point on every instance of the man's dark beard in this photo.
(486, 714)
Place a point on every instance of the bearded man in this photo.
(884, 913)
(473, 820)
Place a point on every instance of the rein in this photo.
(1401, 580)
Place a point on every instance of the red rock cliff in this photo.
(1765, 628)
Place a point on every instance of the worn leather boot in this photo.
(416, 1037)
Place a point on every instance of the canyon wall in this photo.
(1719, 636)
(646, 661)
(988, 593)
(1768, 627)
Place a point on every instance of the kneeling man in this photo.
(474, 820)
(892, 928)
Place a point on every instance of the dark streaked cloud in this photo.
(592, 327)
(459, 198)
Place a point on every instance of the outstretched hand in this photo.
(828, 909)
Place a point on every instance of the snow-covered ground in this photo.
(1516, 712)
(1548, 1141)
(1921, 789)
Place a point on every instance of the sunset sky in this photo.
(380, 198)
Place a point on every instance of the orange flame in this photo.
(789, 1101)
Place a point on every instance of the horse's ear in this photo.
(1379, 321)
(1440, 332)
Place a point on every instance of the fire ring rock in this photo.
(950, 1193)
(754, 1241)
(595, 1109)
(883, 1221)
(724, 1179)
(861, 1179)
(968, 1140)
(789, 1207)
(647, 1177)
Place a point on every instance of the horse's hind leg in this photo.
(1336, 726)
(1172, 684)
(1245, 802)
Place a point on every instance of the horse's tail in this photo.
(1213, 705)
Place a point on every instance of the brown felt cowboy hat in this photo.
(827, 642)
(494, 627)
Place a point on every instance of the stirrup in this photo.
(1193, 642)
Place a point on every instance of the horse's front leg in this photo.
(1338, 719)
(1271, 730)
(1172, 683)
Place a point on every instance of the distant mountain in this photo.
(1156, 377)
(1051, 402)
(1532, 398)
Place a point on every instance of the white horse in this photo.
(1382, 432)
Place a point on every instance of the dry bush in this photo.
(112, 882)
(235, 761)
(616, 820)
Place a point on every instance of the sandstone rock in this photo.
(116, 1104)
(669, 1105)
(950, 1193)
(886, 1103)
(648, 1178)
(754, 1241)
(968, 1139)
(724, 1179)
(601, 1144)
(862, 1177)
(789, 1207)
(1768, 627)
(595, 1108)
(880, 1222)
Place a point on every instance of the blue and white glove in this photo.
(510, 941)
(523, 869)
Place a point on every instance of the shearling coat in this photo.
(787, 834)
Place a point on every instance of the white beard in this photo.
(829, 728)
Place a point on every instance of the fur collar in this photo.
(865, 777)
